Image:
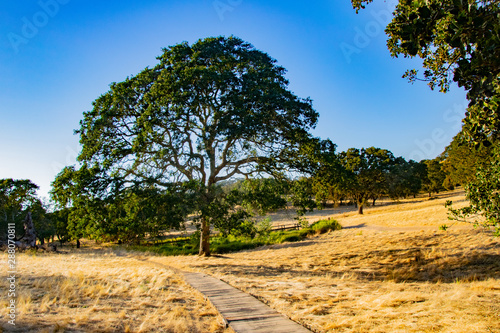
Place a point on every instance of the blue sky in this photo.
(57, 56)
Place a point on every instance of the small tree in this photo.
(434, 176)
(368, 169)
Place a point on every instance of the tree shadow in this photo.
(358, 226)
(414, 263)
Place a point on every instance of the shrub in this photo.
(246, 229)
(306, 232)
(291, 238)
(241, 239)
(323, 226)
(264, 227)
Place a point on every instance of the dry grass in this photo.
(397, 274)
(408, 213)
(419, 213)
(101, 290)
(390, 270)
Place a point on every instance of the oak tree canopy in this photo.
(205, 113)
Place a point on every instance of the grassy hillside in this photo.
(390, 270)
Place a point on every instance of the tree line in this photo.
(353, 177)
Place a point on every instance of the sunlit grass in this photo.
(390, 270)
(395, 274)
(101, 290)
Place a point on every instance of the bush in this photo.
(264, 227)
(246, 229)
(243, 239)
(323, 226)
(306, 232)
(291, 238)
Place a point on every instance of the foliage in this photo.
(302, 196)
(458, 41)
(484, 196)
(245, 229)
(129, 215)
(59, 220)
(461, 160)
(206, 113)
(303, 222)
(368, 169)
(263, 195)
(324, 226)
(264, 227)
(405, 178)
(434, 176)
(328, 175)
(234, 243)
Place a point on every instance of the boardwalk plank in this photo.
(243, 312)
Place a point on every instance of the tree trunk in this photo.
(30, 233)
(77, 243)
(374, 201)
(360, 208)
(205, 238)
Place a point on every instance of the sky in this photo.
(58, 56)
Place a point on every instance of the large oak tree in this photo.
(207, 112)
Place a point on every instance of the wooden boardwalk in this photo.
(243, 312)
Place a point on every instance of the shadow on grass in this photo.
(412, 259)
(406, 269)
(23, 327)
(358, 226)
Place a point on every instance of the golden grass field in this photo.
(389, 270)
(104, 290)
